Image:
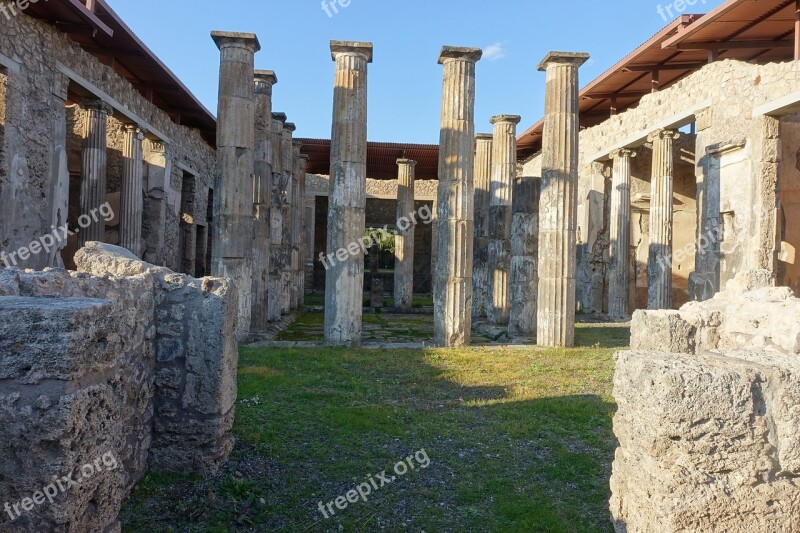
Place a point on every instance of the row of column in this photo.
(455, 211)
(659, 292)
(93, 178)
(259, 230)
(554, 261)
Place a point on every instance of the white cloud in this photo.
(494, 52)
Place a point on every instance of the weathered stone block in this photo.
(196, 364)
(708, 434)
(706, 442)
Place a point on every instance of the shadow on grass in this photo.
(603, 336)
(517, 442)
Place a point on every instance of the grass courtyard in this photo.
(519, 440)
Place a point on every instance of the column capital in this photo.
(229, 39)
(484, 137)
(137, 130)
(450, 53)
(509, 119)
(290, 126)
(623, 152)
(569, 58)
(351, 48)
(264, 80)
(407, 162)
(97, 105)
(158, 146)
(280, 117)
(663, 134)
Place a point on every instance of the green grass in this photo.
(519, 441)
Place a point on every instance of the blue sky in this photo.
(404, 80)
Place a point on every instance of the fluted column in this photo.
(263, 82)
(504, 172)
(310, 236)
(524, 270)
(455, 224)
(287, 270)
(132, 196)
(480, 252)
(158, 158)
(620, 234)
(297, 223)
(559, 201)
(232, 248)
(404, 240)
(277, 199)
(93, 171)
(659, 266)
(344, 283)
(302, 215)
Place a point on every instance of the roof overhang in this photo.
(381, 158)
(746, 30)
(102, 33)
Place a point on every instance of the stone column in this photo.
(344, 285)
(277, 199)
(311, 222)
(158, 162)
(455, 224)
(559, 198)
(524, 275)
(263, 83)
(302, 232)
(59, 170)
(480, 270)
(287, 208)
(297, 225)
(504, 172)
(620, 234)
(232, 246)
(131, 198)
(404, 240)
(659, 265)
(93, 172)
(376, 282)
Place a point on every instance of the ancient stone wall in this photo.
(76, 376)
(737, 155)
(37, 96)
(196, 360)
(707, 414)
(121, 361)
